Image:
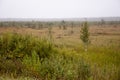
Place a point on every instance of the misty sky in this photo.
(59, 8)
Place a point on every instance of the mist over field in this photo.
(60, 19)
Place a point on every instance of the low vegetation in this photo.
(31, 57)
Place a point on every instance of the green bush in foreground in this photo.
(17, 46)
(14, 47)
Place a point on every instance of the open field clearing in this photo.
(103, 35)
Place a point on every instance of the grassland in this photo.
(30, 54)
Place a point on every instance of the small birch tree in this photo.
(50, 31)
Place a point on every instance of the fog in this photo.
(59, 8)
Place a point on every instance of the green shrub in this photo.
(65, 67)
(16, 45)
(16, 49)
(84, 71)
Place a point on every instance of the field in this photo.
(56, 53)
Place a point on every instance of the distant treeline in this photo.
(40, 24)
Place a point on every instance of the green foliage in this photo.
(83, 70)
(62, 66)
(15, 45)
(84, 36)
(84, 33)
(25, 55)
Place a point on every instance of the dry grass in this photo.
(98, 35)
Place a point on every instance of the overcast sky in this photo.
(59, 8)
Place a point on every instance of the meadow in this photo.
(54, 51)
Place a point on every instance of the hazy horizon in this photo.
(59, 8)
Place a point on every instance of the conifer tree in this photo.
(84, 36)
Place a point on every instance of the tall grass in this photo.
(28, 56)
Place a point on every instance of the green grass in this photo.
(25, 57)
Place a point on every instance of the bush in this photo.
(84, 71)
(15, 48)
(62, 66)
